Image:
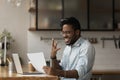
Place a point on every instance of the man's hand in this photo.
(54, 49)
(49, 70)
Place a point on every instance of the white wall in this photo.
(35, 44)
(15, 20)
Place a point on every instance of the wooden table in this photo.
(106, 70)
(5, 75)
(98, 71)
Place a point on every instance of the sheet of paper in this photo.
(37, 60)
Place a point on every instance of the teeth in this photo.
(66, 40)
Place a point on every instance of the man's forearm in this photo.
(63, 73)
(57, 70)
(55, 64)
(71, 74)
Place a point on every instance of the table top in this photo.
(106, 69)
(5, 75)
(107, 63)
(97, 70)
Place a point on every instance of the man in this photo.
(78, 55)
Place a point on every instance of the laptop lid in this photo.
(37, 60)
(17, 63)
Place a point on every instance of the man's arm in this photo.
(55, 64)
(67, 73)
(61, 73)
(56, 69)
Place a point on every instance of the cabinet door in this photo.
(92, 14)
(49, 14)
(117, 14)
(78, 9)
(101, 14)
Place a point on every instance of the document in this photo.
(37, 60)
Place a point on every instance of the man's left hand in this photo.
(49, 70)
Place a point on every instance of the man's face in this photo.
(69, 34)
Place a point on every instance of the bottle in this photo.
(10, 67)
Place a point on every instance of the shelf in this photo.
(32, 29)
(91, 11)
(32, 10)
(117, 10)
(117, 29)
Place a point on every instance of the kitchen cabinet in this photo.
(117, 14)
(101, 14)
(47, 14)
(94, 15)
(78, 9)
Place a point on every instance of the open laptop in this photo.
(19, 67)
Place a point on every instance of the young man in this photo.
(78, 56)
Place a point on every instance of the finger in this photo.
(44, 67)
(45, 71)
(52, 42)
(55, 44)
(58, 49)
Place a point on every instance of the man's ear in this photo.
(77, 32)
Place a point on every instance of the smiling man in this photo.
(78, 55)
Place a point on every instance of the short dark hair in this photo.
(71, 21)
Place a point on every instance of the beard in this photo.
(71, 40)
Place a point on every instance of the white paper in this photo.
(37, 60)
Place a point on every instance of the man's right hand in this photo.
(54, 49)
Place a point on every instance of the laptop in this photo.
(19, 67)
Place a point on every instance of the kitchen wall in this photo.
(104, 56)
(35, 44)
(17, 21)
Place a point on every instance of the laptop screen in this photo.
(17, 63)
(37, 60)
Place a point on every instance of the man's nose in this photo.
(64, 35)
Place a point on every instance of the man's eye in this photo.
(66, 32)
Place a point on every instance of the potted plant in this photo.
(5, 40)
(9, 38)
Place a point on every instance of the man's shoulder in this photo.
(86, 43)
